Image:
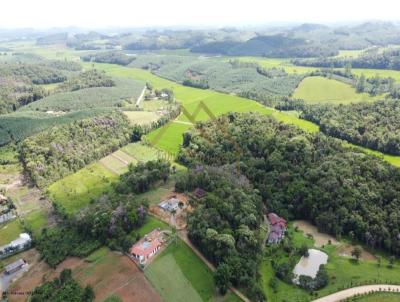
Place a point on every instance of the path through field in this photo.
(184, 236)
(348, 293)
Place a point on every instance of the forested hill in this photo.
(306, 176)
(269, 46)
(373, 125)
(61, 150)
(389, 59)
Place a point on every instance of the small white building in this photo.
(23, 241)
(170, 205)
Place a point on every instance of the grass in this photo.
(343, 272)
(77, 190)
(316, 90)
(141, 152)
(10, 231)
(378, 297)
(141, 117)
(151, 224)
(179, 275)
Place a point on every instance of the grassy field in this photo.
(315, 90)
(378, 297)
(151, 224)
(141, 117)
(343, 272)
(9, 231)
(77, 190)
(179, 276)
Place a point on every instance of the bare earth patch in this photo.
(111, 273)
(345, 251)
(320, 238)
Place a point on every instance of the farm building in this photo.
(171, 204)
(199, 193)
(22, 242)
(277, 228)
(147, 247)
(15, 266)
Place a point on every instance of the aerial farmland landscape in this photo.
(217, 151)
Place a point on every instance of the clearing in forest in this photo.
(316, 90)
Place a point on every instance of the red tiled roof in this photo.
(275, 219)
(144, 248)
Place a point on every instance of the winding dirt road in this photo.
(348, 293)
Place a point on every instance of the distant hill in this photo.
(269, 46)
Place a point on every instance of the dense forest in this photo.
(63, 288)
(306, 176)
(225, 225)
(86, 79)
(111, 57)
(18, 81)
(61, 150)
(373, 125)
(389, 59)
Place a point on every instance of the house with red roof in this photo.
(147, 247)
(277, 228)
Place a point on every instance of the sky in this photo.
(167, 13)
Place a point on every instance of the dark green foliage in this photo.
(373, 125)
(55, 153)
(225, 223)
(56, 244)
(111, 57)
(142, 176)
(312, 284)
(64, 288)
(307, 176)
(389, 59)
(109, 220)
(269, 46)
(87, 79)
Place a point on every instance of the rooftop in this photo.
(14, 265)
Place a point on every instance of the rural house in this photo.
(22, 242)
(277, 228)
(15, 266)
(171, 204)
(147, 247)
(199, 193)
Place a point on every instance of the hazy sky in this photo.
(101, 13)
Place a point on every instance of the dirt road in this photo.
(348, 293)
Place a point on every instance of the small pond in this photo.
(309, 266)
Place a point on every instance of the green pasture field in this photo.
(10, 231)
(141, 152)
(75, 191)
(316, 90)
(343, 272)
(179, 276)
(151, 224)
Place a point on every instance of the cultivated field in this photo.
(109, 273)
(315, 90)
(180, 276)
